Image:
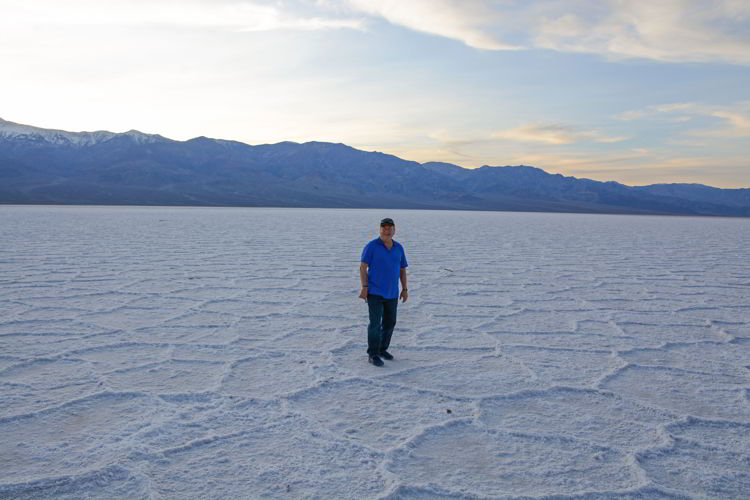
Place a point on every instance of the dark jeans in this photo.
(382, 321)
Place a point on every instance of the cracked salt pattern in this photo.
(175, 353)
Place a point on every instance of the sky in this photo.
(634, 91)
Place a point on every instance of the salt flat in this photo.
(174, 353)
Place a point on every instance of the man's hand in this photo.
(404, 295)
(363, 267)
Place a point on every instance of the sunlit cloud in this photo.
(669, 30)
(675, 107)
(657, 111)
(640, 166)
(581, 162)
(553, 134)
(735, 120)
(465, 21)
(241, 16)
(738, 124)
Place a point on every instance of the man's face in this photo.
(387, 231)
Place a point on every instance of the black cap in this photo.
(387, 221)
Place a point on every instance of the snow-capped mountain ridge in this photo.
(64, 138)
(55, 166)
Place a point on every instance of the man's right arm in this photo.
(363, 280)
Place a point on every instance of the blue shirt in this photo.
(384, 267)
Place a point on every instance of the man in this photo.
(382, 264)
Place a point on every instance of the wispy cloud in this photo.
(734, 120)
(658, 110)
(668, 30)
(466, 21)
(738, 124)
(553, 134)
(638, 166)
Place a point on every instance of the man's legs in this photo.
(375, 328)
(389, 322)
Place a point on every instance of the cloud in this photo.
(639, 167)
(658, 110)
(739, 123)
(238, 15)
(734, 120)
(553, 134)
(465, 21)
(668, 30)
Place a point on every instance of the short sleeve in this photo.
(403, 259)
(366, 254)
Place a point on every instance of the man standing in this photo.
(382, 264)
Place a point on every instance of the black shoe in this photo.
(376, 361)
(387, 355)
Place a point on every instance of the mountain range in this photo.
(44, 166)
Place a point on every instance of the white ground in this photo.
(220, 353)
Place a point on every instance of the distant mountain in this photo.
(42, 166)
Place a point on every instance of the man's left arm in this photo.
(404, 291)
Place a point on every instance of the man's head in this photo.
(387, 229)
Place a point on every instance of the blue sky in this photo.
(634, 91)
